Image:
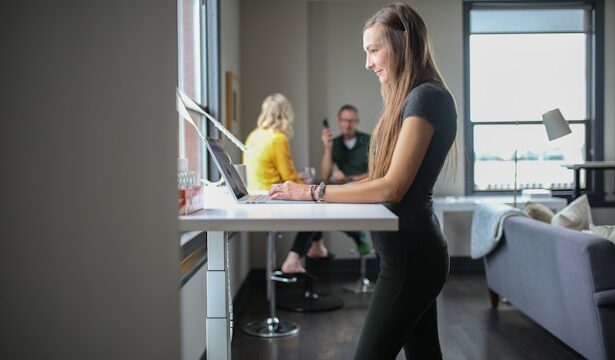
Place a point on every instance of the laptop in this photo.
(233, 180)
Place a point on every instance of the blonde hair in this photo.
(411, 64)
(277, 114)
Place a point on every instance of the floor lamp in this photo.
(555, 124)
(556, 127)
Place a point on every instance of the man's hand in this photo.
(327, 138)
(339, 176)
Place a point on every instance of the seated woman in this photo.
(269, 161)
(312, 245)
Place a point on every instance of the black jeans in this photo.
(304, 239)
(402, 312)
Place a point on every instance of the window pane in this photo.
(527, 20)
(521, 76)
(539, 160)
(189, 77)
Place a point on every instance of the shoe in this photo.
(298, 275)
(363, 246)
(330, 256)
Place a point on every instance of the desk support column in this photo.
(271, 240)
(577, 183)
(218, 322)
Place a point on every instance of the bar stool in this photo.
(363, 285)
(308, 300)
(272, 326)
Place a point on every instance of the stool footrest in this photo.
(282, 277)
(271, 328)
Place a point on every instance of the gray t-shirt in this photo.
(435, 104)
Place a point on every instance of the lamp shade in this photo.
(555, 124)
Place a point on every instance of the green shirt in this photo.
(351, 161)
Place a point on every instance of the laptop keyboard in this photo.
(256, 198)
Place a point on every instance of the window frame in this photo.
(594, 125)
(209, 90)
(210, 34)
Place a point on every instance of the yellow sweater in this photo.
(268, 160)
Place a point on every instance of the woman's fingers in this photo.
(275, 191)
(287, 190)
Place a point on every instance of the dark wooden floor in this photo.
(469, 328)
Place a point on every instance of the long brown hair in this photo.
(411, 64)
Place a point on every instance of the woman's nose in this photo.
(368, 63)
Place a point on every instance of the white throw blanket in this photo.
(487, 226)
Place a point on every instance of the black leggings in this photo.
(304, 239)
(402, 312)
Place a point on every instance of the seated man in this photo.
(348, 152)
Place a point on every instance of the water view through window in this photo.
(514, 79)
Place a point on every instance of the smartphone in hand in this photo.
(325, 123)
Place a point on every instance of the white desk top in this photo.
(222, 213)
(591, 165)
(468, 203)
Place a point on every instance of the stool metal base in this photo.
(310, 302)
(360, 286)
(271, 328)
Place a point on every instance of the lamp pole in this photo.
(515, 161)
(515, 182)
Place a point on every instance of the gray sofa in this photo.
(562, 279)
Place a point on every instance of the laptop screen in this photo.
(223, 161)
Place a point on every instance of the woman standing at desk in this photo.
(408, 149)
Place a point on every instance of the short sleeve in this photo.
(428, 101)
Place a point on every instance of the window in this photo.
(197, 75)
(522, 60)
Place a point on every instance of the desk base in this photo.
(271, 328)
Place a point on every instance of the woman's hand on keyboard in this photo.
(289, 191)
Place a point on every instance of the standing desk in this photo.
(588, 165)
(223, 215)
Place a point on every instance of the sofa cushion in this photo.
(577, 215)
(538, 211)
(605, 231)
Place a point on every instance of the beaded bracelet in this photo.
(313, 192)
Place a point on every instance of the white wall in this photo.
(311, 51)
(230, 61)
(89, 243)
(274, 58)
